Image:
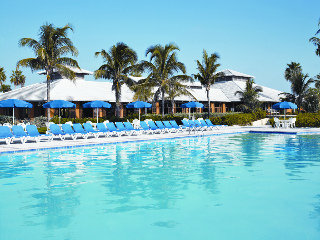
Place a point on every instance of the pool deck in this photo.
(68, 143)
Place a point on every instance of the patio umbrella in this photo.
(97, 105)
(192, 105)
(14, 103)
(284, 105)
(58, 104)
(139, 105)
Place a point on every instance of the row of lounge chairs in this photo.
(86, 130)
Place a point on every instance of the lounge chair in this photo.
(68, 130)
(164, 128)
(187, 125)
(129, 127)
(32, 131)
(6, 134)
(79, 129)
(176, 126)
(19, 133)
(203, 123)
(112, 128)
(154, 127)
(102, 128)
(122, 128)
(208, 121)
(199, 125)
(88, 127)
(145, 128)
(57, 132)
(168, 125)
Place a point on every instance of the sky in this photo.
(258, 38)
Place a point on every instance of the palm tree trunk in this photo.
(172, 105)
(117, 102)
(208, 97)
(48, 95)
(162, 102)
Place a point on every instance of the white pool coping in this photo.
(68, 143)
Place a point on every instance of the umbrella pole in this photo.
(97, 114)
(189, 113)
(139, 114)
(59, 115)
(13, 116)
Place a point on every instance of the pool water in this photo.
(246, 186)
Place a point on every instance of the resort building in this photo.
(79, 91)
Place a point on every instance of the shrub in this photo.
(5, 119)
(308, 120)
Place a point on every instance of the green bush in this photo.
(241, 119)
(42, 130)
(308, 120)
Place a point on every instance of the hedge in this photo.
(308, 120)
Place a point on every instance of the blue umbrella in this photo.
(14, 103)
(139, 104)
(284, 105)
(59, 104)
(192, 105)
(97, 105)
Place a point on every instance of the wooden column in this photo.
(77, 110)
(121, 110)
(157, 108)
(31, 113)
(212, 107)
(51, 112)
(223, 107)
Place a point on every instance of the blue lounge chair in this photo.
(208, 121)
(154, 127)
(79, 129)
(145, 127)
(112, 128)
(203, 123)
(57, 132)
(32, 131)
(68, 130)
(19, 133)
(168, 125)
(96, 133)
(6, 134)
(129, 127)
(102, 128)
(122, 128)
(195, 125)
(176, 126)
(164, 128)
(199, 125)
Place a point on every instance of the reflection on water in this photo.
(51, 190)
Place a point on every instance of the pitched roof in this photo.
(74, 69)
(229, 72)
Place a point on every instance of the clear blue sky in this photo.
(254, 37)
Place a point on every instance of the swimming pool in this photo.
(246, 186)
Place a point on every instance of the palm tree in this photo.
(3, 76)
(299, 82)
(50, 51)
(299, 86)
(163, 67)
(291, 68)
(17, 78)
(207, 72)
(249, 97)
(316, 41)
(120, 62)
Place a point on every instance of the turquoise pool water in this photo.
(247, 186)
